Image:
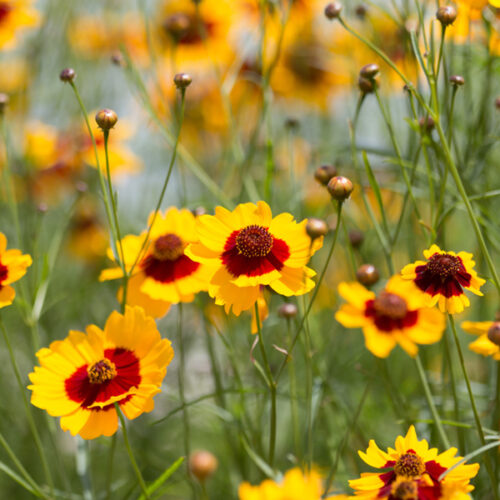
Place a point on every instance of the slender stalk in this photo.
(292, 377)
(309, 391)
(316, 289)
(109, 475)
(137, 471)
(477, 419)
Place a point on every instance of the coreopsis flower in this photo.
(443, 278)
(396, 315)
(296, 485)
(412, 470)
(13, 265)
(248, 248)
(81, 377)
(163, 274)
(488, 343)
(15, 16)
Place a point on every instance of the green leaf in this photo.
(5, 468)
(159, 482)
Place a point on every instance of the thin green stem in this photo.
(137, 471)
(292, 377)
(109, 475)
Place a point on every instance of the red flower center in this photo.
(168, 247)
(112, 376)
(443, 274)
(390, 305)
(5, 9)
(4, 272)
(254, 251)
(254, 241)
(101, 372)
(409, 465)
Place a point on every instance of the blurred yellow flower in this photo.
(15, 16)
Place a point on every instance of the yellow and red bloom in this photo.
(412, 470)
(296, 485)
(443, 278)
(248, 248)
(15, 15)
(397, 315)
(13, 265)
(487, 343)
(82, 377)
(163, 274)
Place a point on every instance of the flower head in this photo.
(396, 315)
(163, 274)
(412, 470)
(13, 266)
(248, 248)
(81, 377)
(15, 15)
(487, 343)
(443, 278)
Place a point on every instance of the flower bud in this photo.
(199, 211)
(457, 80)
(366, 85)
(332, 10)
(446, 15)
(182, 80)
(356, 237)
(292, 123)
(361, 11)
(426, 124)
(494, 333)
(117, 59)
(177, 25)
(287, 310)
(106, 119)
(4, 100)
(497, 103)
(324, 173)
(340, 188)
(367, 274)
(202, 464)
(67, 75)
(369, 71)
(315, 228)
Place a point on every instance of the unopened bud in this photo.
(457, 80)
(287, 310)
(81, 187)
(177, 25)
(4, 100)
(356, 237)
(446, 15)
(367, 274)
(369, 71)
(497, 103)
(182, 80)
(292, 123)
(106, 119)
(42, 207)
(366, 85)
(361, 11)
(494, 333)
(332, 10)
(117, 59)
(340, 188)
(199, 211)
(67, 75)
(324, 173)
(315, 228)
(426, 123)
(202, 464)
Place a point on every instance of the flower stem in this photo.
(131, 453)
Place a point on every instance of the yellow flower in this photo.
(394, 316)
(484, 344)
(443, 278)
(248, 248)
(13, 266)
(412, 470)
(163, 274)
(296, 485)
(82, 376)
(15, 15)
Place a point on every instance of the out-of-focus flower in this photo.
(13, 265)
(412, 470)
(81, 377)
(15, 16)
(121, 159)
(296, 485)
(396, 315)
(14, 75)
(163, 273)
(488, 343)
(248, 248)
(443, 278)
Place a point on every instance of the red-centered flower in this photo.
(249, 248)
(412, 471)
(444, 277)
(82, 377)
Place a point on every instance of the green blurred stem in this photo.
(316, 289)
(309, 391)
(292, 377)
(131, 453)
(430, 402)
(477, 419)
(109, 475)
(272, 388)
(29, 415)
